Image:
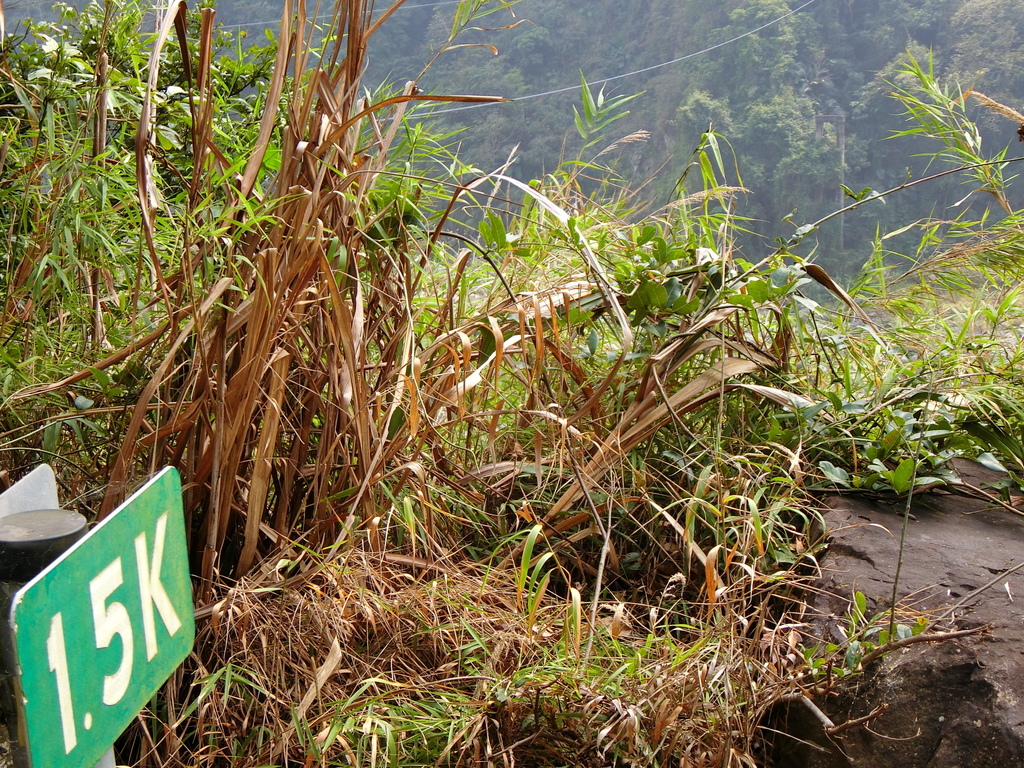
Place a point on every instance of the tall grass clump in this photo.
(369, 398)
(85, 296)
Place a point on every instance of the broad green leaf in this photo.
(854, 653)
(989, 461)
(860, 600)
(646, 234)
(834, 474)
(902, 477)
(759, 291)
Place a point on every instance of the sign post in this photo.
(99, 631)
(33, 532)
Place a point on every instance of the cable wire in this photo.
(604, 80)
(566, 89)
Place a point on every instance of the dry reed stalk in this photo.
(997, 107)
(279, 393)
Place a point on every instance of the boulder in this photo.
(958, 703)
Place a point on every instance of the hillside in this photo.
(760, 74)
(757, 72)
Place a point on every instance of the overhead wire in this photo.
(604, 80)
(601, 81)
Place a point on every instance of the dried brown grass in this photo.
(279, 387)
(362, 662)
(350, 636)
(303, 388)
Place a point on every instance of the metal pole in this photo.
(819, 133)
(33, 533)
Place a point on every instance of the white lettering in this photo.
(151, 590)
(108, 621)
(58, 658)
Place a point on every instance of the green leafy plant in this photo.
(868, 636)
(598, 113)
(378, 367)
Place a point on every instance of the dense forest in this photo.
(759, 74)
(776, 81)
(760, 90)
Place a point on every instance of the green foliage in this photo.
(598, 112)
(868, 635)
(941, 114)
(892, 404)
(762, 90)
(984, 36)
(74, 283)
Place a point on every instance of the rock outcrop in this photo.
(954, 704)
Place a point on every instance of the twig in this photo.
(486, 257)
(906, 524)
(522, 742)
(971, 595)
(905, 185)
(934, 637)
(981, 493)
(606, 533)
(874, 714)
(821, 717)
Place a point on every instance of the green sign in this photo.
(98, 632)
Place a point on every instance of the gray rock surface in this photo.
(954, 704)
